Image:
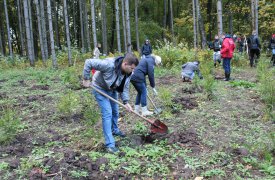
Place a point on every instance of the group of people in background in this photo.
(225, 44)
(112, 76)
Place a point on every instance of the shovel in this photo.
(157, 110)
(156, 125)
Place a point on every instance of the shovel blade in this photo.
(158, 127)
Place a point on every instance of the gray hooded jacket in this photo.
(108, 75)
(189, 68)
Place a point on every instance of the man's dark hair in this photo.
(130, 58)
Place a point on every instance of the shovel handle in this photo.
(116, 101)
(151, 101)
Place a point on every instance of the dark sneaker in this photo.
(119, 133)
(112, 150)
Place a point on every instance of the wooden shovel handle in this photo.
(151, 100)
(116, 101)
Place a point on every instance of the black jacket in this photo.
(253, 42)
(146, 49)
(145, 67)
(272, 43)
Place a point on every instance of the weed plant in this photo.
(90, 109)
(267, 87)
(9, 125)
(239, 60)
(69, 104)
(242, 83)
(208, 80)
(173, 55)
(71, 78)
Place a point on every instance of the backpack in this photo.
(272, 43)
(254, 44)
(217, 45)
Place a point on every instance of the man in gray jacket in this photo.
(112, 76)
(188, 71)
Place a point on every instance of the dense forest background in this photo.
(115, 24)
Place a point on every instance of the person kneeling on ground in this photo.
(146, 67)
(112, 76)
(188, 71)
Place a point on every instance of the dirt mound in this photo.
(20, 146)
(166, 80)
(39, 87)
(35, 97)
(188, 138)
(3, 80)
(22, 83)
(3, 96)
(192, 89)
(186, 102)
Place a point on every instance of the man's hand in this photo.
(155, 91)
(86, 83)
(128, 107)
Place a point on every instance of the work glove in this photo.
(128, 107)
(155, 91)
(86, 83)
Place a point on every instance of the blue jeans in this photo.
(226, 65)
(142, 93)
(109, 114)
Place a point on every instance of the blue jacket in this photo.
(145, 67)
(108, 75)
(146, 49)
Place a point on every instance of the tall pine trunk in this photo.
(86, 28)
(22, 42)
(51, 33)
(40, 31)
(123, 25)
(2, 35)
(219, 11)
(128, 30)
(164, 13)
(56, 23)
(74, 23)
(230, 20)
(136, 20)
(172, 21)
(28, 33)
(83, 49)
(67, 32)
(8, 27)
(93, 23)
(201, 25)
(209, 17)
(117, 27)
(194, 23)
(164, 16)
(1, 45)
(104, 27)
(257, 17)
(253, 14)
(113, 26)
(31, 29)
(44, 29)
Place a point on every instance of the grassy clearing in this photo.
(228, 136)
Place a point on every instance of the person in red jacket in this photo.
(227, 51)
